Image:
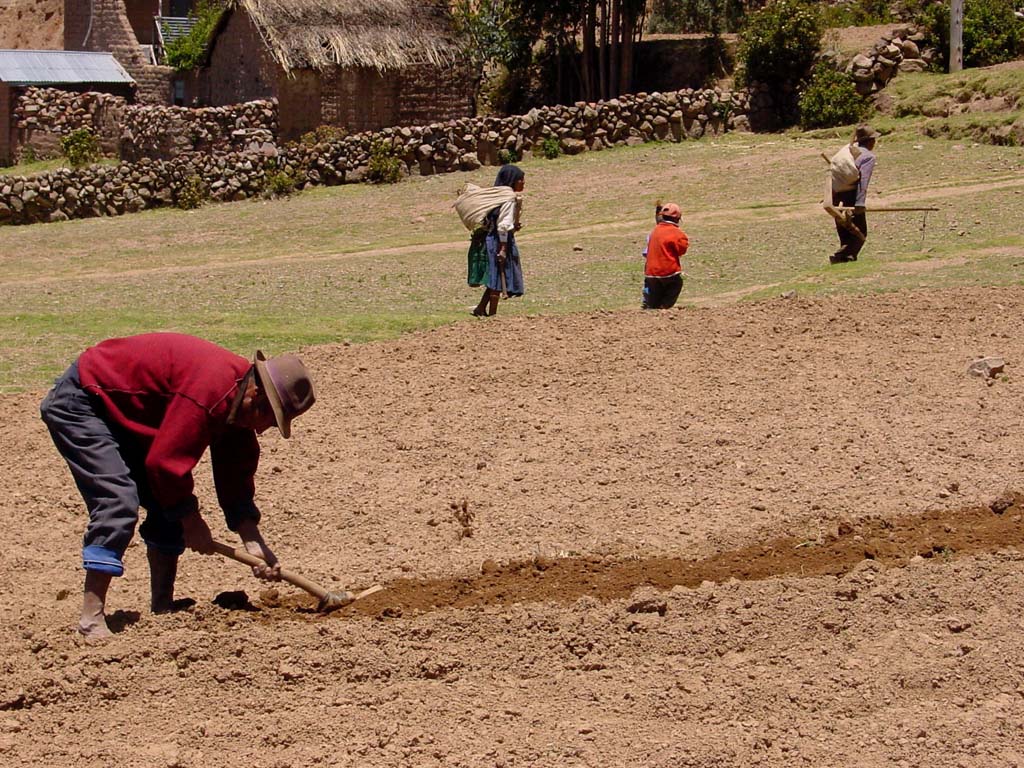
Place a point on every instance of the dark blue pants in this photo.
(109, 474)
(849, 243)
(662, 292)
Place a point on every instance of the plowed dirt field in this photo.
(778, 534)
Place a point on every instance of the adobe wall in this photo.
(6, 128)
(665, 65)
(430, 94)
(140, 15)
(107, 29)
(241, 68)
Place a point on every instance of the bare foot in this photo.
(172, 606)
(94, 629)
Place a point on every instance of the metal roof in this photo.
(174, 27)
(19, 67)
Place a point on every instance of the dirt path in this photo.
(766, 534)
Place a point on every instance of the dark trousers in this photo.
(108, 472)
(662, 292)
(849, 243)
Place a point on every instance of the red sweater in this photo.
(664, 249)
(172, 394)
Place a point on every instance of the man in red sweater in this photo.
(132, 417)
(663, 272)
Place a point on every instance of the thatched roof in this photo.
(379, 34)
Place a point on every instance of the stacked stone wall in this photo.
(455, 145)
(42, 116)
(902, 51)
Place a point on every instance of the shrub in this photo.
(323, 134)
(191, 193)
(507, 156)
(550, 147)
(992, 34)
(710, 16)
(28, 154)
(385, 165)
(831, 99)
(188, 52)
(780, 42)
(279, 184)
(80, 147)
(859, 13)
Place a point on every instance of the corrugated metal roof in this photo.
(175, 27)
(49, 67)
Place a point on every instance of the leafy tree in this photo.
(780, 42)
(189, 51)
(991, 33)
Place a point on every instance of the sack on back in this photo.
(475, 203)
(843, 167)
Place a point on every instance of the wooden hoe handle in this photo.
(241, 556)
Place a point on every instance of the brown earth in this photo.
(767, 534)
(32, 24)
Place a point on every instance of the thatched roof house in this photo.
(361, 64)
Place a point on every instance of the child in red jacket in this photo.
(663, 272)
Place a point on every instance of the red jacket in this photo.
(172, 394)
(666, 245)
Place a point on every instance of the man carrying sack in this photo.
(132, 417)
(851, 169)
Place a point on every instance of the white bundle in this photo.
(843, 166)
(475, 203)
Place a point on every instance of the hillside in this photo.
(32, 24)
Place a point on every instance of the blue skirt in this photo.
(513, 268)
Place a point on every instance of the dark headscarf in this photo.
(508, 175)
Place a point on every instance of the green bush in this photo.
(385, 165)
(191, 193)
(188, 52)
(550, 147)
(780, 42)
(81, 147)
(859, 13)
(507, 156)
(279, 184)
(831, 99)
(323, 134)
(710, 16)
(992, 34)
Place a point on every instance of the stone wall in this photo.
(41, 116)
(900, 51)
(454, 145)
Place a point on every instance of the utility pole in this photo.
(956, 35)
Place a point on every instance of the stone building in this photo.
(357, 64)
(127, 29)
(72, 72)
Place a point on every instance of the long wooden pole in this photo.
(956, 35)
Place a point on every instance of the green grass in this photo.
(362, 263)
(44, 166)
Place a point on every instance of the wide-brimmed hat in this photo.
(671, 211)
(865, 132)
(288, 387)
